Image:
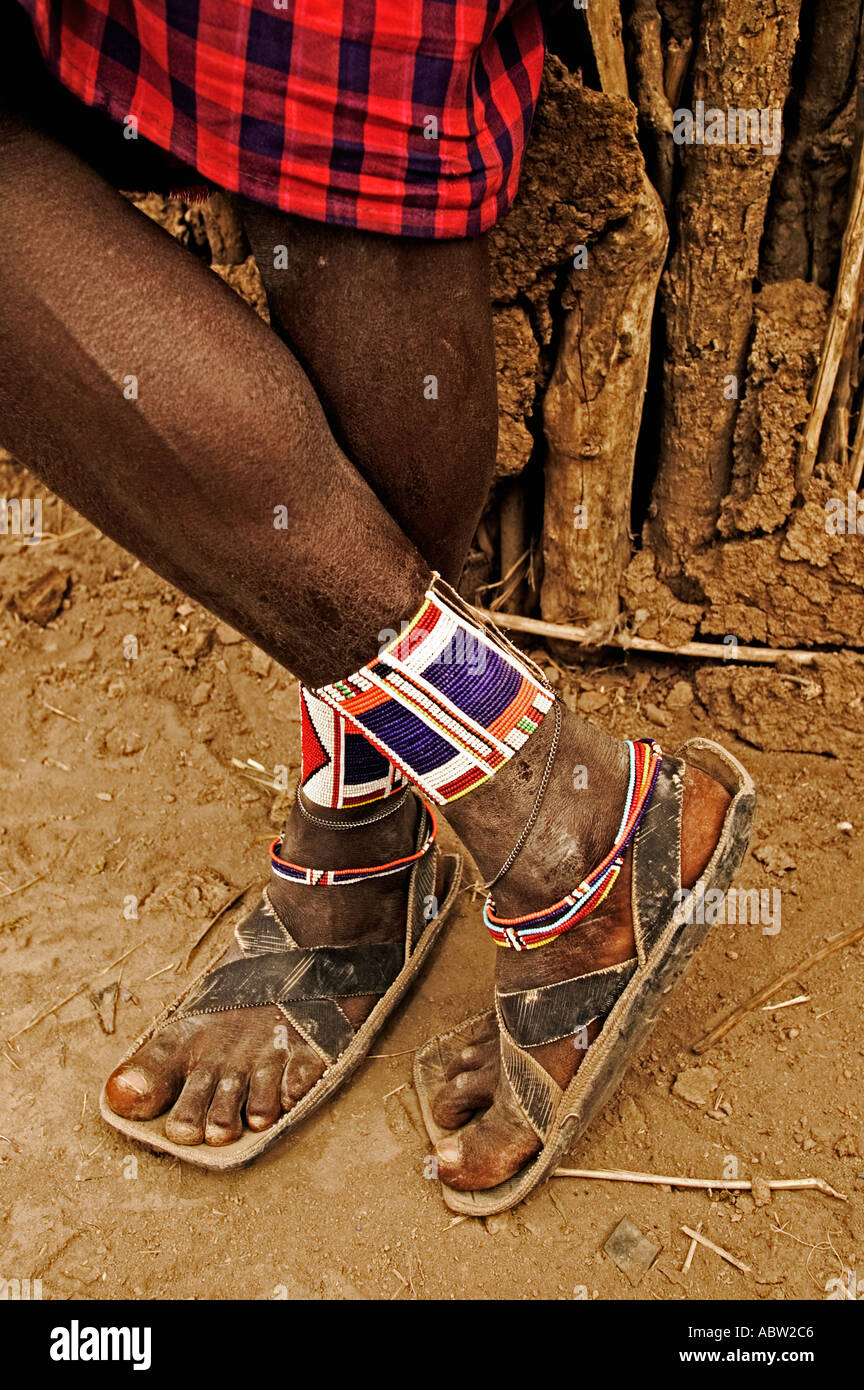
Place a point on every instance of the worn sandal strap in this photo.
(262, 932)
(531, 1017)
(536, 1016)
(537, 1094)
(325, 1027)
(305, 983)
(656, 886)
(324, 972)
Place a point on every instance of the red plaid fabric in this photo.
(400, 116)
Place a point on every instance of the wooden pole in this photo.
(842, 311)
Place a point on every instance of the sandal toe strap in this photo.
(536, 1093)
(324, 1026)
(306, 983)
(283, 977)
(532, 1017)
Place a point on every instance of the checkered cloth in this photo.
(400, 116)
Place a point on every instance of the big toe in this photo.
(138, 1091)
(487, 1151)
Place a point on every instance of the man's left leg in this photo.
(396, 336)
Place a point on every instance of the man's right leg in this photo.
(395, 334)
(224, 429)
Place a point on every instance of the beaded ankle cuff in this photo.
(449, 700)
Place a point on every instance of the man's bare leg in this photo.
(405, 309)
(395, 334)
(225, 428)
(374, 320)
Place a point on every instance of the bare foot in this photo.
(212, 1073)
(492, 1140)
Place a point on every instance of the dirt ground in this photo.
(126, 824)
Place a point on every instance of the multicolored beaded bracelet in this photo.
(323, 878)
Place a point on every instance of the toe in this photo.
(487, 1150)
(263, 1106)
(470, 1058)
(147, 1084)
(185, 1123)
(466, 1093)
(224, 1122)
(301, 1072)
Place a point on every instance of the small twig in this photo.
(54, 710)
(763, 995)
(213, 920)
(118, 961)
(46, 1013)
(65, 535)
(786, 1003)
(703, 1184)
(685, 1268)
(243, 770)
(10, 892)
(69, 997)
(716, 651)
(499, 583)
(157, 973)
(396, 1090)
(718, 1249)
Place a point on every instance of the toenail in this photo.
(135, 1081)
(448, 1150)
(181, 1132)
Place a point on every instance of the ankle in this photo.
(349, 841)
(577, 820)
(336, 914)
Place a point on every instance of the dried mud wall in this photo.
(661, 311)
